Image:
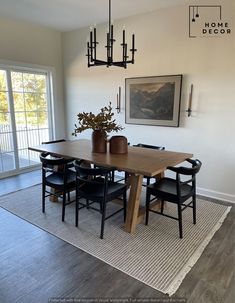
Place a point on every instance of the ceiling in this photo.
(65, 15)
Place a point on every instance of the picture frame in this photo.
(153, 100)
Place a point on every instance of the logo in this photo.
(207, 21)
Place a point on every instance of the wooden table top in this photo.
(138, 160)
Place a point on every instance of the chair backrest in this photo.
(89, 174)
(192, 171)
(48, 159)
(149, 146)
(196, 166)
(91, 177)
(55, 141)
(51, 164)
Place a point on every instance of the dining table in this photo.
(137, 162)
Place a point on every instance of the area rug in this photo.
(153, 255)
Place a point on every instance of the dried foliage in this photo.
(102, 121)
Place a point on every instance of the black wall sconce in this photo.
(118, 107)
(189, 110)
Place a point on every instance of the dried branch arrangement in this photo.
(103, 121)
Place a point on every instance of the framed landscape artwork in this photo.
(153, 100)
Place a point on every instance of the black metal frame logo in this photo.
(202, 21)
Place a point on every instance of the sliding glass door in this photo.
(24, 118)
(7, 150)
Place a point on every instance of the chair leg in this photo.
(87, 204)
(194, 209)
(103, 220)
(124, 204)
(162, 206)
(101, 208)
(180, 221)
(76, 212)
(147, 207)
(148, 181)
(76, 206)
(63, 205)
(43, 197)
(69, 196)
(126, 177)
(112, 176)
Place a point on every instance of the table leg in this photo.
(135, 214)
(160, 175)
(53, 198)
(133, 203)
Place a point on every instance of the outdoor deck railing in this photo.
(26, 137)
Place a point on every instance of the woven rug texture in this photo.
(153, 255)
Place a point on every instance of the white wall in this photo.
(164, 48)
(31, 44)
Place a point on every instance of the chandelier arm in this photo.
(100, 62)
(120, 64)
(97, 64)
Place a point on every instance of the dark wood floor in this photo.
(18, 182)
(36, 266)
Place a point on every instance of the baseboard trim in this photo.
(216, 195)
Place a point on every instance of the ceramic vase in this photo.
(118, 145)
(99, 142)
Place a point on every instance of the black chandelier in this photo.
(91, 48)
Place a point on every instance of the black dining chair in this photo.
(151, 147)
(95, 186)
(176, 191)
(57, 174)
(69, 164)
